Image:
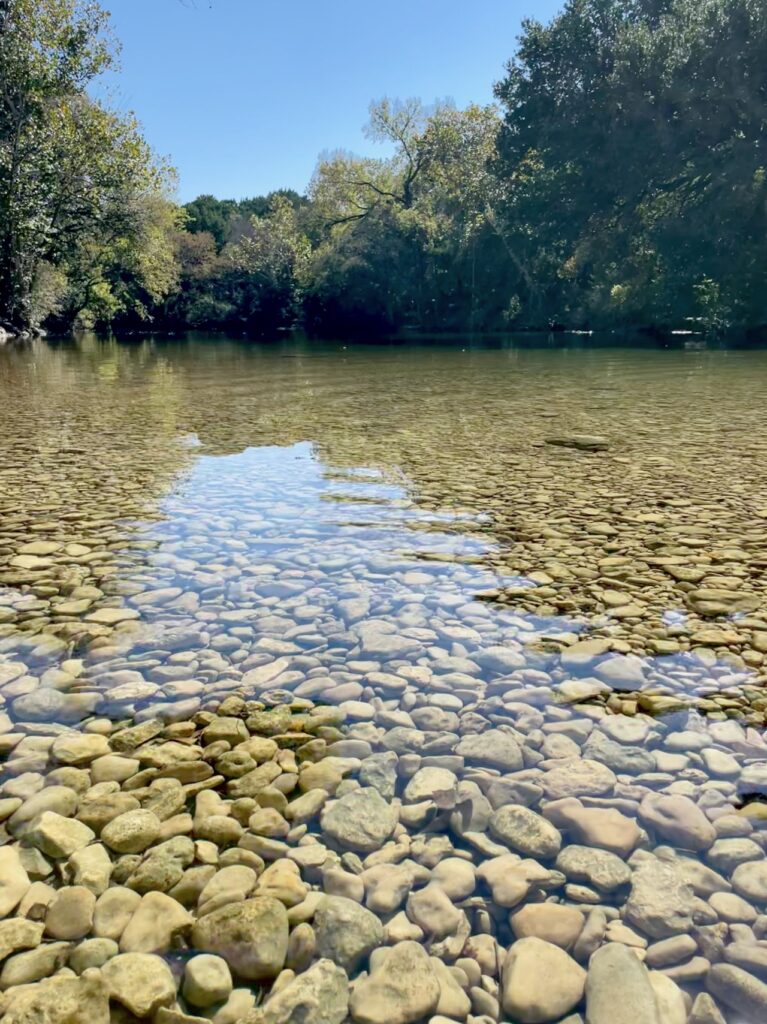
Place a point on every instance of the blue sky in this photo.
(243, 95)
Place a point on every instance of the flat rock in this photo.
(493, 748)
(523, 830)
(576, 776)
(678, 819)
(142, 982)
(661, 902)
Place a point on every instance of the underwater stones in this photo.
(361, 820)
(582, 442)
(618, 988)
(661, 902)
(252, 936)
(402, 988)
(345, 932)
(492, 748)
(577, 777)
(141, 982)
(540, 982)
(525, 831)
(678, 819)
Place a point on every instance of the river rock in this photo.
(618, 988)
(540, 982)
(739, 990)
(661, 902)
(142, 982)
(361, 820)
(576, 776)
(523, 830)
(493, 748)
(346, 933)
(604, 870)
(14, 880)
(207, 980)
(252, 936)
(677, 819)
(61, 1000)
(551, 922)
(319, 995)
(750, 881)
(401, 989)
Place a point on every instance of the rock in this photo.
(619, 757)
(679, 820)
(57, 836)
(456, 877)
(739, 990)
(661, 902)
(540, 982)
(207, 980)
(493, 748)
(92, 953)
(705, 1011)
(346, 933)
(606, 828)
(252, 936)
(79, 748)
(523, 830)
(361, 820)
(401, 989)
(453, 1001)
(62, 1000)
(576, 776)
(552, 922)
(510, 880)
(114, 909)
(320, 995)
(90, 867)
(583, 442)
(618, 989)
(131, 832)
(154, 924)
(19, 933)
(437, 784)
(605, 871)
(70, 913)
(142, 982)
(282, 881)
(432, 910)
(669, 1000)
(14, 880)
(750, 881)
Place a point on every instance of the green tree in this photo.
(76, 180)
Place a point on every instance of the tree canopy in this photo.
(618, 181)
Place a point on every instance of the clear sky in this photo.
(243, 95)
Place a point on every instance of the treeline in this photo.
(619, 181)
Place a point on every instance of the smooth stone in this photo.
(493, 748)
(361, 820)
(523, 830)
(739, 990)
(154, 924)
(207, 980)
(750, 881)
(131, 832)
(252, 936)
(577, 777)
(319, 995)
(540, 982)
(402, 988)
(345, 932)
(14, 880)
(661, 902)
(552, 922)
(618, 988)
(142, 982)
(599, 868)
(679, 820)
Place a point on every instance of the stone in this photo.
(14, 880)
(70, 913)
(92, 953)
(57, 836)
(282, 881)
(18, 933)
(677, 819)
(523, 830)
(618, 988)
(552, 922)
(60, 1000)
(739, 990)
(79, 748)
(669, 999)
(401, 989)
(661, 902)
(750, 881)
(433, 910)
(207, 980)
(540, 982)
(431, 784)
(345, 932)
(91, 867)
(361, 820)
(576, 776)
(606, 827)
(114, 909)
(493, 748)
(604, 870)
(319, 995)
(252, 936)
(131, 832)
(141, 982)
(154, 924)
(456, 877)
(705, 1011)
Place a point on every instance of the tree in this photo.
(76, 180)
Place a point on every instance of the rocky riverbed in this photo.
(290, 738)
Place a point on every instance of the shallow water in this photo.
(388, 529)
